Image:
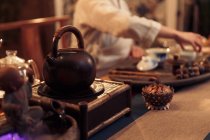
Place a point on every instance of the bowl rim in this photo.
(157, 50)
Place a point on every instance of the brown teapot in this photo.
(69, 69)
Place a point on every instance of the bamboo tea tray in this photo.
(93, 113)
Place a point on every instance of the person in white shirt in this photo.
(110, 31)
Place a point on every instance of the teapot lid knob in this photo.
(12, 59)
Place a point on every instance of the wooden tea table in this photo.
(187, 119)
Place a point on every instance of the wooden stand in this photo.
(94, 114)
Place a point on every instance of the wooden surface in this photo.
(33, 22)
(187, 118)
(30, 36)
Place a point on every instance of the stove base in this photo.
(93, 114)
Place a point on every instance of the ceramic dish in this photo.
(147, 63)
(188, 55)
(159, 53)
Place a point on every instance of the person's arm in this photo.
(182, 38)
(105, 17)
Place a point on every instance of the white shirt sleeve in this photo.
(106, 17)
(146, 30)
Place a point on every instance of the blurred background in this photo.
(186, 15)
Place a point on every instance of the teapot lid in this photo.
(11, 59)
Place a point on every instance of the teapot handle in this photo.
(59, 34)
(35, 69)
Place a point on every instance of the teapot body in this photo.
(72, 69)
(69, 69)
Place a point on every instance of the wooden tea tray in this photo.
(128, 73)
(164, 78)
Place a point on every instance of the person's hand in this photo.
(137, 51)
(183, 38)
(196, 40)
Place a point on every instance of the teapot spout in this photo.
(1, 42)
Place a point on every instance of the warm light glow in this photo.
(205, 104)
